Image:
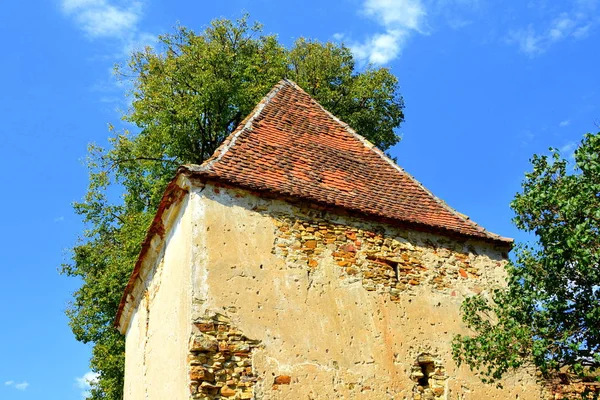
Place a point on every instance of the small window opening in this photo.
(429, 375)
(387, 262)
(427, 369)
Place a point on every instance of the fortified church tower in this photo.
(299, 262)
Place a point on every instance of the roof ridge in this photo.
(246, 124)
(381, 154)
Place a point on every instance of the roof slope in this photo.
(291, 146)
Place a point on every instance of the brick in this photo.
(283, 380)
(199, 373)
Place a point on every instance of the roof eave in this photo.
(197, 172)
(168, 206)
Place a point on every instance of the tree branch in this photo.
(125, 160)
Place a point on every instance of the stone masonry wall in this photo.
(220, 360)
(382, 262)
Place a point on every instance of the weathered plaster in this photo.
(157, 337)
(135, 346)
(325, 332)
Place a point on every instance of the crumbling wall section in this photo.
(220, 360)
(391, 262)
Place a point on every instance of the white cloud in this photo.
(139, 42)
(100, 18)
(398, 14)
(564, 123)
(19, 386)
(575, 24)
(582, 32)
(398, 19)
(72, 5)
(85, 383)
(380, 48)
(568, 150)
(115, 20)
(59, 219)
(528, 41)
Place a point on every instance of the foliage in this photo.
(548, 314)
(186, 98)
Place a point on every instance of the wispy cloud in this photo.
(457, 14)
(100, 18)
(526, 137)
(396, 14)
(568, 151)
(380, 48)
(564, 123)
(19, 386)
(85, 382)
(59, 219)
(139, 41)
(575, 24)
(116, 20)
(398, 19)
(528, 41)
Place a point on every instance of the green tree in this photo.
(549, 313)
(188, 95)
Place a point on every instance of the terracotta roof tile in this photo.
(292, 146)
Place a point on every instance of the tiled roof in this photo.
(292, 147)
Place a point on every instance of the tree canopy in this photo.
(188, 94)
(548, 315)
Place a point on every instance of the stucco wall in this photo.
(336, 307)
(157, 338)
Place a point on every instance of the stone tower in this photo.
(299, 262)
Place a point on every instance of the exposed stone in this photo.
(198, 373)
(203, 343)
(310, 244)
(346, 307)
(283, 380)
(388, 264)
(227, 391)
(218, 360)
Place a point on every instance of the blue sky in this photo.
(486, 85)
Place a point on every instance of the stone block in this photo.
(203, 343)
(283, 380)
